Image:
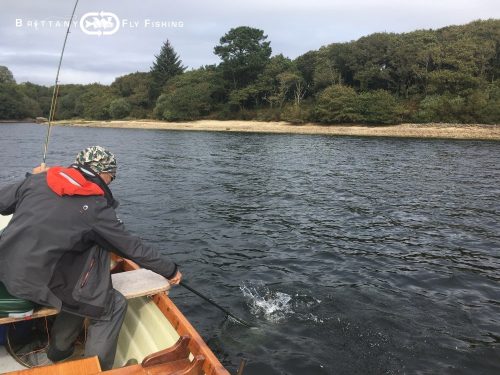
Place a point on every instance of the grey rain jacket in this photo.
(53, 250)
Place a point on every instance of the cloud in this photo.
(294, 27)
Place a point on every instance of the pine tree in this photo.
(6, 75)
(167, 65)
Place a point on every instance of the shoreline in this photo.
(432, 130)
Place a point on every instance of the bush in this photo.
(477, 106)
(119, 108)
(341, 104)
(378, 107)
(437, 108)
(15, 105)
(267, 114)
(94, 103)
(490, 112)
(187, 97)
(337, 104)
(296, 114)
(184, 103)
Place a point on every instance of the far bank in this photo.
(433, 130)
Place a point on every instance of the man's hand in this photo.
(41, 168)
(176, 279)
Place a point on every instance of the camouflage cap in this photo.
(98, 159)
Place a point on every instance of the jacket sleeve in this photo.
(110, 232)
(9, 197)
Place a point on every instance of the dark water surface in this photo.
(351, 255)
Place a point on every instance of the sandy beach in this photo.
(451, 131)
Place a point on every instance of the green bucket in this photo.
(14, 307)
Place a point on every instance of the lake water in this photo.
(350, 255)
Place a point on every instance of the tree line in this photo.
(447, 75)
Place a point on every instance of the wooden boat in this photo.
(155, 334)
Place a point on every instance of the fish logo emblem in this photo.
(99, 23)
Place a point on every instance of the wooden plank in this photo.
(86, 366)
(139, 283)
(40, 313)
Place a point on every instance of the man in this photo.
(54, 251)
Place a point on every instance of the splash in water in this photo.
(276, 306)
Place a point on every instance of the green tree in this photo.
(134, 88)
(325, 70)
(14, 105)
(372, 61)
(188, 96)
(412, 60)
(119, 108)
(378, 107)
(271, 85)
(95, 101)
(244, 52)
(69, 103)
(6, 75)
(337, 104)
(40, 97)
(10, 102)
(477, 106)
(444, 81)
(167, 65)
(305, 64)
(440, 108)
(489, 113)
(293, 82)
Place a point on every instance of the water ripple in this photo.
(352, 255)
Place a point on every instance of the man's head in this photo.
(100, 160)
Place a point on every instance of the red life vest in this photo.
(69, 181)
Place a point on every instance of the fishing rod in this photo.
(241, 321)
(55, 92)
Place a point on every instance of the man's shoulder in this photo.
(36, 177)
(101, 205)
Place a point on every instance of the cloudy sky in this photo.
(31, 36)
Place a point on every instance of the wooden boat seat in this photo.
(176, 357)
(176, 352)
(131, 284)
(172, 361)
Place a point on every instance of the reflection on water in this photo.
(351, 255)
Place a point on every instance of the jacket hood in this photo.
(70, 181)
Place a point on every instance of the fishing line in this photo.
(227, 312)
(55, 92)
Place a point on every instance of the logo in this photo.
(99, 23)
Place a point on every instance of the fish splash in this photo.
(276, 306)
